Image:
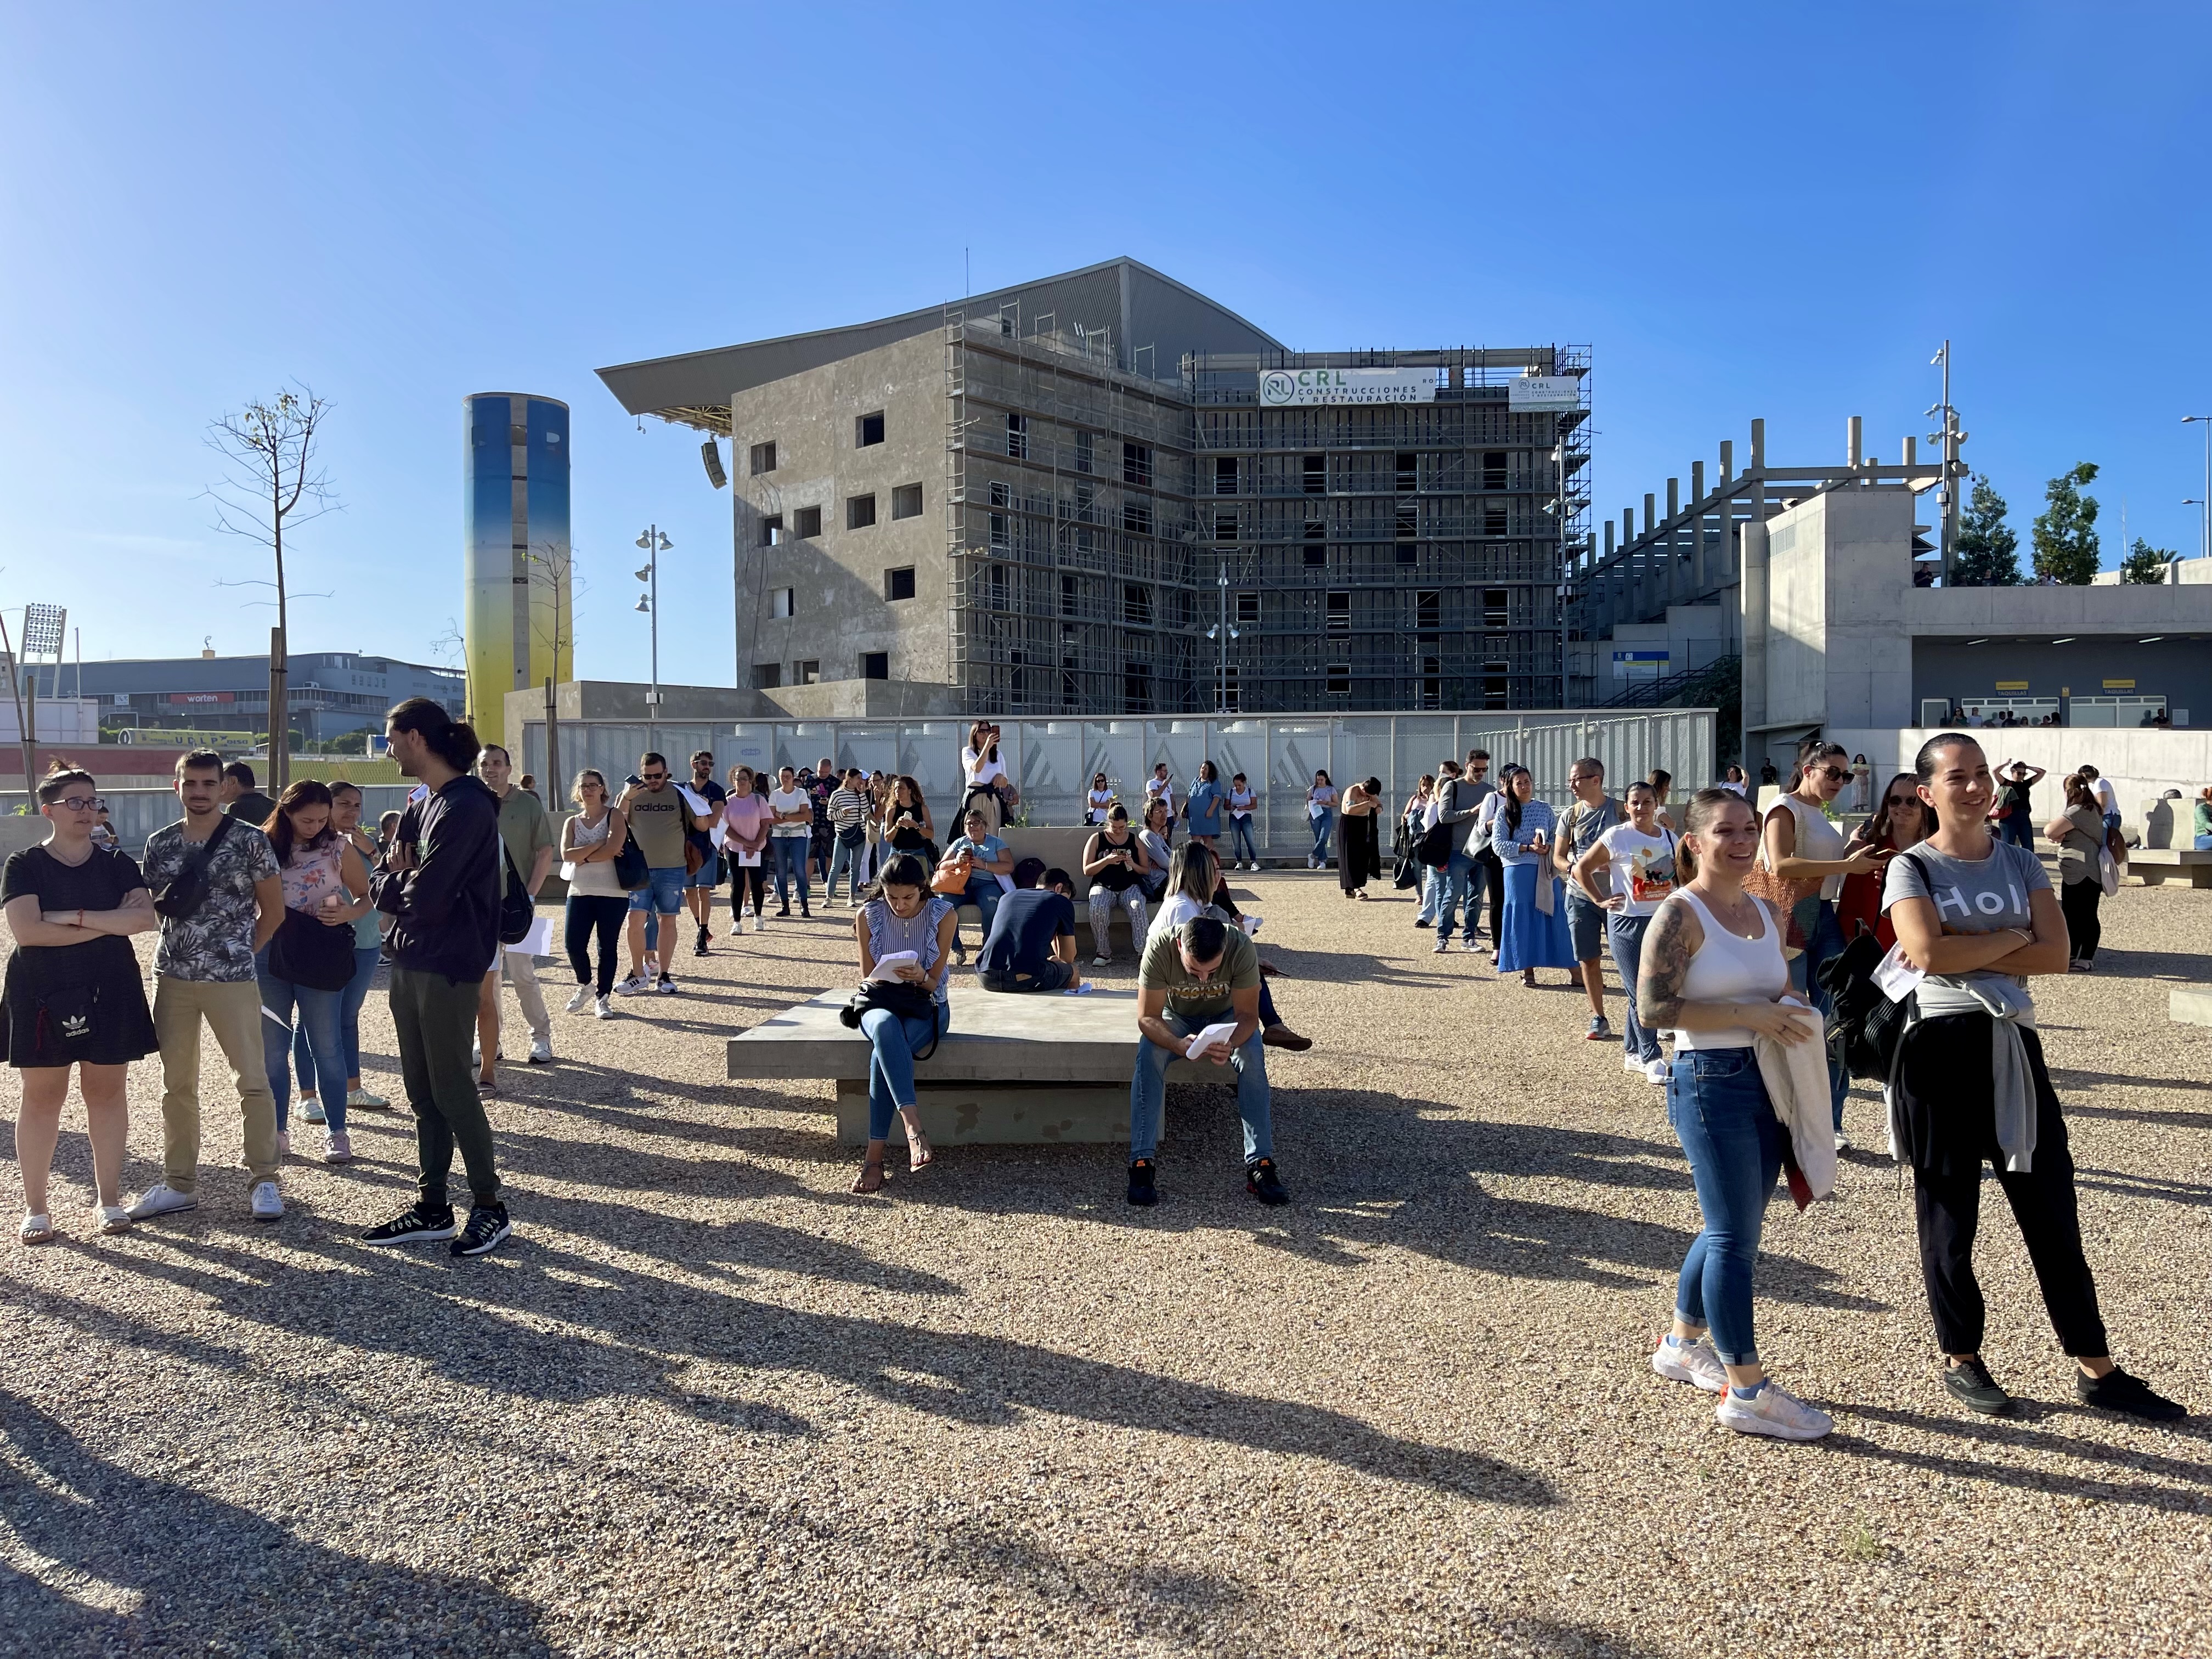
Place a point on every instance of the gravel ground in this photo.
(707, 1401)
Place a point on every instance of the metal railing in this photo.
(1052, 761)
(138, 813)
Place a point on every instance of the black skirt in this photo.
(1358, 850)
(64, 1004)
(1946, 1096)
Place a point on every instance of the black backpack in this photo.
(1865, 1025)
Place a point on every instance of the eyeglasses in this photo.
(77, 803)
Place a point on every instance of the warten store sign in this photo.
(1291, 388)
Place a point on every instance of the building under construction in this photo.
(1102, 493)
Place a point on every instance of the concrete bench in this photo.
(2156, 865)
(1013, 1069)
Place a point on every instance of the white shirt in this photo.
(1102, 801)
(2107, 797)
(1642, 867)
(980, 768)
(1161, 789)
(791, 800)
(1241, 802)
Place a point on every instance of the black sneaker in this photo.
(1141, 1189)
(785, 911)
(667, 985)
(699, 945)
(418, 1225)
(2131, 1396)
(1421, 923)
(1260, 1180)
(487, 1230)
(1971, 1383)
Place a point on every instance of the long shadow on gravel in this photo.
(1368, 1168)
(143, 1565)
(485, 1324)
(2192, 1480)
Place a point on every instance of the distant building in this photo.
(331, 691)
(1059, 498)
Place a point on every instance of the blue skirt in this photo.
(1527, 937)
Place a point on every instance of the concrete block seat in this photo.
(2155, 866)
(1013, 1069)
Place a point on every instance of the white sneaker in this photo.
(604, 1009)
(162, 1199)
(633, 985)
(1100, 962)
(760, 924)
(1843, 1141)
(541, 1052)
(1630, 1064)
(1656, 1074)
(311, 1111)
(338, 1148)
(268, 1202)
(283, 1143)
(362, 1100)
(580, 1001)
(1694, 1363)
(1773, 1410)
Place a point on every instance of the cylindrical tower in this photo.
(517, 622)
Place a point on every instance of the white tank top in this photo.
(1729, 968)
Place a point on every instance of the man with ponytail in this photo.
(441, 880)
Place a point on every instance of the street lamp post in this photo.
(654, 543)
(2204, 503)
(1223, 633)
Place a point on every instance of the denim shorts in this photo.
(709, 874)
(663, 891)
(1586, 927)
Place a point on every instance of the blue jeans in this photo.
(1824, 940)
(2018, 828)
(1728, 1128)
(661, 895)
(1241, 849)
(891, 1043)
(1321, 820)
(1452, 894)
(316, 1013)
(350, 1001)
(790, 852)
(2203, 844)
(984, 893)
(849, 861)
(1625, 936)
(1148, 1091)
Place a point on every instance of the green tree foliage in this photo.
(1988, 552)
(2066, 530)
(2146, 564)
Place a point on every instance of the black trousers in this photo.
(747, 878)
(2078, 900)
(1945, 1073)
(602, 914)
(1487, 874)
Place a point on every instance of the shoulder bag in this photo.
(629, 865)
(306, 951)
(516, 911)
(187, 891)
(1866, 1024)
(907, 1001)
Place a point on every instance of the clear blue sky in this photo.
(1774, 211)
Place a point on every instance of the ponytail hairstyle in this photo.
(451, 741)
(283, 838)
(1924, 767)
(1704, 806)
(1809, 751)
(2078, 793)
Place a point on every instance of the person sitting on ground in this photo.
(985, 858)
(1712, 974)
(103, 832)
(1031, 943)
(1114, 862)
(74, 996)
(241, 799)
(1202, 973)
(1196, 886)
(904, 917)
(1976, 915)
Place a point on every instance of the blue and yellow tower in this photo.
(517, 622)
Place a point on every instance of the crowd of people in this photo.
(1723, 919)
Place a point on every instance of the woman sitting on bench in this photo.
(903, 916)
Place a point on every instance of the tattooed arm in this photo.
(1675, 936)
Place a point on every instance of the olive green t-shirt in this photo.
(657, 823)
(524, 827)
(1162, 967)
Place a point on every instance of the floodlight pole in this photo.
(2204, 501)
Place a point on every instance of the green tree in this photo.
(2066, 530)
(1987, 554)
(2146, 564)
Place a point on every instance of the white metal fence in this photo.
(138, 813)
(1052, 760)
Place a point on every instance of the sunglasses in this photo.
(652, 777)
(1834, 774)
(1900, 800)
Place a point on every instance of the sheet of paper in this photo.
(1214, 1036)
(887, 967)
(748, 860)
(1896, 976)
(538, 942)
(1251, 925)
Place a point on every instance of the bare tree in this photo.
(272, 482)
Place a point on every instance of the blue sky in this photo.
(1757, 210)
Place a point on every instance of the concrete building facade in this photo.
(1068, 498)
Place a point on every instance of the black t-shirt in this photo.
(713, 794)
(1022, 934)
(253, 807)
(102, 881)
(2015, 798)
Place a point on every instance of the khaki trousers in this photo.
(521, 973)
(232, 1011)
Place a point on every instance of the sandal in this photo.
(36, 1230)
(860, 1181)
(919, 1152)
(114, 1218)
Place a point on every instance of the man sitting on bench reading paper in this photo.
(1198, 998)
(1031, 945)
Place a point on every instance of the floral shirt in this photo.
(215, 944)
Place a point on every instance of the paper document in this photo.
(887, 967)
(1214, 1036)
(748, 860)
(538, 942)
(1896, 977)
(1250, 924)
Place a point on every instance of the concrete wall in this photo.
(1797, 613)
(840, 612)
(2143, 765)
